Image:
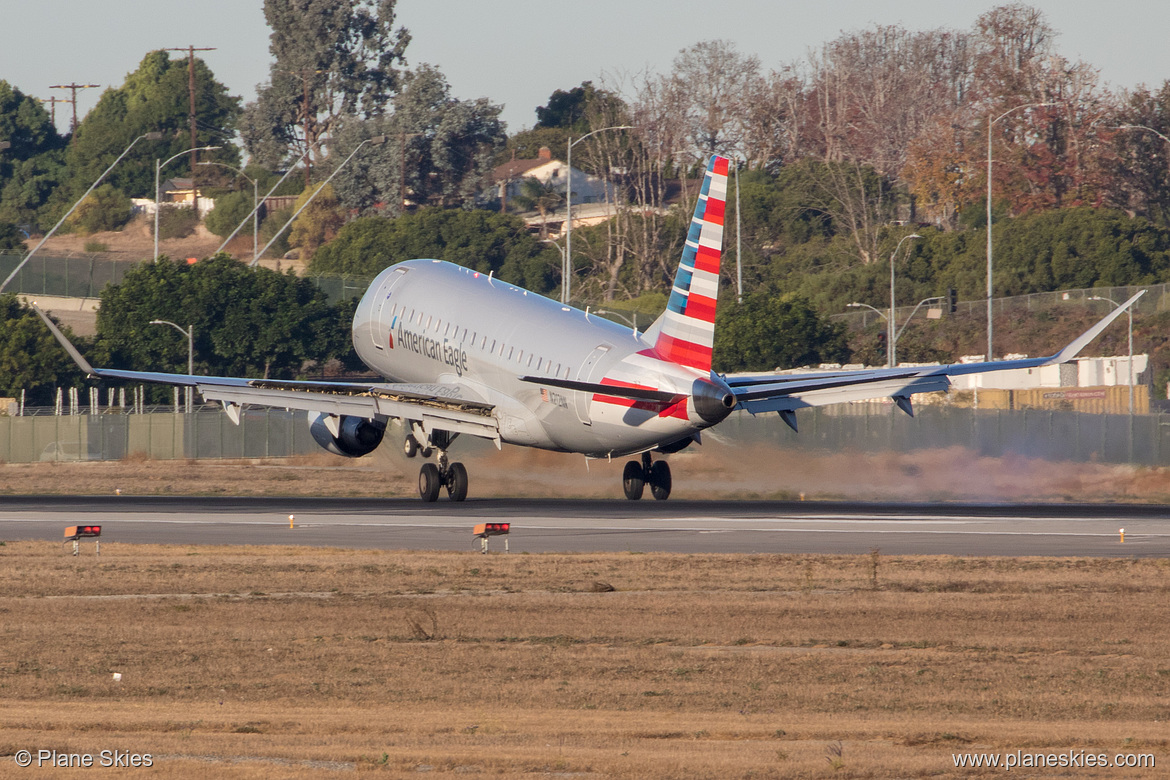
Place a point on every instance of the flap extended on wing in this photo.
(449, 407)
(782, 393)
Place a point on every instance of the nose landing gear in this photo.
(636, 476)
(432, 477)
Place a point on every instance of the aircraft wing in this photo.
(448, 407)
(785, 394)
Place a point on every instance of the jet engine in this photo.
(349, 436)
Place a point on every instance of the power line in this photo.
(73, 90)
(191, 95)
(53, 101)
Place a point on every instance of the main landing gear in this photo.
(637, 475)
(432, 477)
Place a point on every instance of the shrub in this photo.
(268, 228)
(106, 208)
(96, 246)
(229, 211)
(176, 221)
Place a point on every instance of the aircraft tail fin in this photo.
(688, 325)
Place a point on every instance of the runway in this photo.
(591, 525)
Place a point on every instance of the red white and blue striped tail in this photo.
(688, 325)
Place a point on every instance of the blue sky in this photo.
(516, 52)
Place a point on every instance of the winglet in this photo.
(1070, 352)
(57, 334)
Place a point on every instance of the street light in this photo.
(256, 208)
(152, 136)
(190, 354)
(1142, 127)
(890, 346)
(158, 167)
(561, 250)
(568, 269)
(632, 323)
(892, 353)
(1128, 311)
(376, 140)
(255, 199)
(991, 123)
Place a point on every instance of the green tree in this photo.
(448, 146)
(343, 55)
(770, 331)
(153, 98)
(11, 240)
(31, 167)
(569, 109)
(483, 240)
(248, 322)
(30, 358)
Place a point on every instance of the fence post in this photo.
(1157, 433)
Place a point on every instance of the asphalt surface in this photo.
(606, 525)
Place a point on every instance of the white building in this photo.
(592, 198)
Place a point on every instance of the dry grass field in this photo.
(290, 662)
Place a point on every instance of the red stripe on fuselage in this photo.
(684, 353)
(661, 408)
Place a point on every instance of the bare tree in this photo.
(712, 84)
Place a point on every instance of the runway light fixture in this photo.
(75, 533)
(485, 530)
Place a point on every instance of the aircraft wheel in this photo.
(429, 482)
(633, 480)
(660, 480)
(457, 482)
(409, 446)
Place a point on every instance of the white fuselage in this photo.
(427, 321)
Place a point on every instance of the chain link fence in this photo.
(86, 275)
(269, 433)
(68, 276)
(1156, 299)
(206, 433)
(338, 288)
(1035, 433)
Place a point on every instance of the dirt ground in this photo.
(716, 470)
(294, 662)
(135, 243)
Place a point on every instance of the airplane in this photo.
(465, 353)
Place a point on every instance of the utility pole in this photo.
(304, 73)
(191, 99)
(73, 90)
(402, 168)
(53, 101)
(306, 117)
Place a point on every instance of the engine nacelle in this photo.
(354, 437)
